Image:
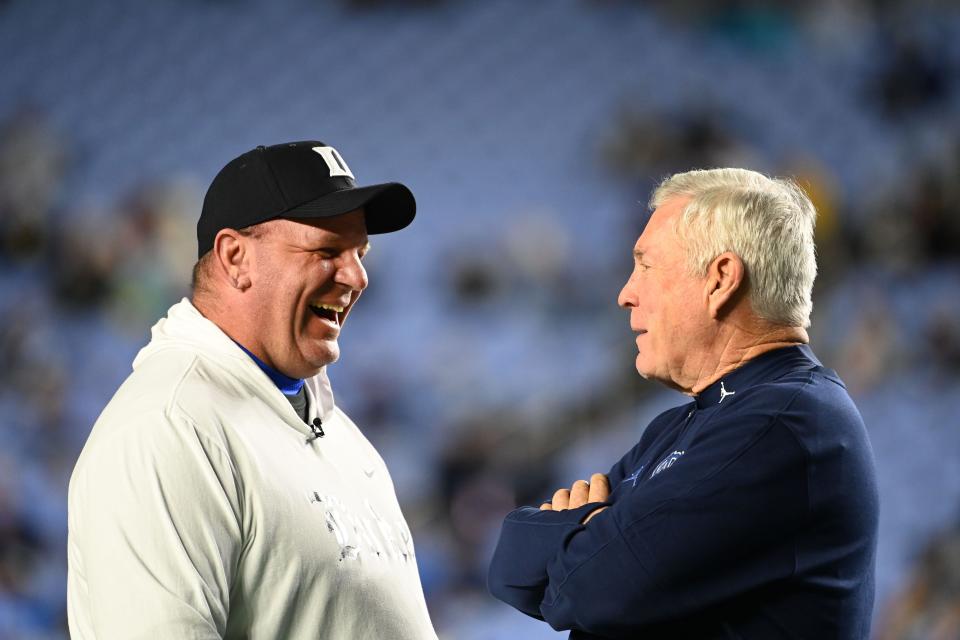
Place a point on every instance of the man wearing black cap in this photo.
(222, 493)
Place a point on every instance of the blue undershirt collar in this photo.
(287, 385)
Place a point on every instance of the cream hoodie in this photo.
(198, 508)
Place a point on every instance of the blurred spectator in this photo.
(33, 377)
(929, 607)
(85, 255)
(888, 237)
(475, 277)
(754, 24)
(913, 75)
(749, 23)
(155, 252)
(25, 554)
(133, 261)
(642, 142)
(21, 547)
(33, 160)
(869, 351)
(935, 210)
(943, 342)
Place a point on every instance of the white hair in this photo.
(767, 222)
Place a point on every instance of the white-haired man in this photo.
(222, 493)
(749, 512)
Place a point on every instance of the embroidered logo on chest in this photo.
(667, 462)
(724, 393)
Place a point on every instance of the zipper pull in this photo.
(317, 429)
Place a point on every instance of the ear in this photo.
(232, 258)
(725, 277)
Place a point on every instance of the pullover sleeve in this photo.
(154, 534)
(718, 523)
(528, 541)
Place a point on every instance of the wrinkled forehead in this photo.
(660, 229)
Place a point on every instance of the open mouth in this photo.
(328, 312)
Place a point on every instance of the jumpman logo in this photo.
(724, 393)
(634, 477)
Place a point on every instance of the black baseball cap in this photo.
(306, 179)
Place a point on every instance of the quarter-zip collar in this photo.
(763, 368)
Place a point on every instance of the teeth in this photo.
(328, 307)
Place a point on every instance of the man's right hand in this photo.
(581, 493)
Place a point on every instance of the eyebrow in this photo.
(318, 245)
(637, 254)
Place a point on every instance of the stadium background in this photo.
(488, 361)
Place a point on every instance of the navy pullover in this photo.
(750, 512)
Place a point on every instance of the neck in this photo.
(204, 306)
(218, 311)
(742, 345)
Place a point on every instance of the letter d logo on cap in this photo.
(334, 162)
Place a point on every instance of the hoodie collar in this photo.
(184, 327)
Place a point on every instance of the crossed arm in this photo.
(581, 493)
(686, 541)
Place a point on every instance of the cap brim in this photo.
(387, 207)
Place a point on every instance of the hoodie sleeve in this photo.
(673, 545)
(154, 534)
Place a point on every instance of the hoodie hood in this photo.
(185, 328)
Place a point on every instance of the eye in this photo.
(327, 253)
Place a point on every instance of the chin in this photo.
(306, 363)
(642, 369)
(324, 356)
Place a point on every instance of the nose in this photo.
(627, 298)
(352, 274)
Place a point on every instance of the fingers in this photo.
(599, 488)
(582, 492)
(561, 499)
(579, 494)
